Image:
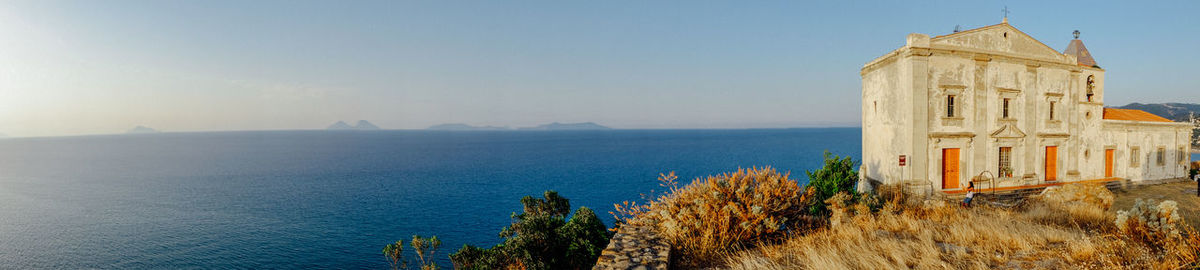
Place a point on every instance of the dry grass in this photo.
(710, 217)
(1065, 228)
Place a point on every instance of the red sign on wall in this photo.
(903, 160)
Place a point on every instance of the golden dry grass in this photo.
(1067, 229)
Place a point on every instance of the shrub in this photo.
(395, 255)
(836, 176)
(425, 247)
(1150, 222)
(1157, 229)
(719, 214)
(542, 238)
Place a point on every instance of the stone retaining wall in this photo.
(635, 247)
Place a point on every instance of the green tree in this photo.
(837, 175)
(395, 255)
(425, 248)
(541, 237)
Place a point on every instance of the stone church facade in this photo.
(995, 102)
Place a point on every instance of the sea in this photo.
(333, 199)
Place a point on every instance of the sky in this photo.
(102, 67)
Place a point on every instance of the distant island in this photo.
(361, 125)
(141, 130)
(568, 126)
(550, 126)
(460, 127)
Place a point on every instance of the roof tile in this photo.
(1132, 115)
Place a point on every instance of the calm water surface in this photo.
(317, 199)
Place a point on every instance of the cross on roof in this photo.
(1005, 10)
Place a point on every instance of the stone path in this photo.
(635, 247)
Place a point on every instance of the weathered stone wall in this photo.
(635, 247)
(1124, 136)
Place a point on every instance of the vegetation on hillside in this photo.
(1066, 228)
(425, 247)
(542, 237)
(720, 214)
(760, 219)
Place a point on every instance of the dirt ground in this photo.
(1182, 192)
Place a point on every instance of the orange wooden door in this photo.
(1108, 163)
(1051, 163)
(949, 168)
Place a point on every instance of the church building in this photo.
(995, 103)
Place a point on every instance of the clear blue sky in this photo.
(86, 67)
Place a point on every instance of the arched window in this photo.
(1091, 84)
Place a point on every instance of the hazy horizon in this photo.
(76, 68)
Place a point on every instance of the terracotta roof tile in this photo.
(1132, 115)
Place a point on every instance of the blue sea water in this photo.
(320, 199)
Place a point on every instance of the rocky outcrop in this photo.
(635, 247)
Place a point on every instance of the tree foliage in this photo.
(837, 175)
(542, 237)
(425, 247)
(395, 255)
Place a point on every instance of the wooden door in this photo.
(949, 168)
(1108, 162)
(1051, 163)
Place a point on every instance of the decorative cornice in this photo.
(1053, 135)
(951, 135)
(1007, 90)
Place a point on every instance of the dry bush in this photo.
(1158, 229)
(718, 214)
(1151, 222)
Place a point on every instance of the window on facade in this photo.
(1091, 83)
(1179, 156)
(1005, 168)
(950, 106)
(1052, 110)
(1160, 155)
(1134, 157)
(1005, 106)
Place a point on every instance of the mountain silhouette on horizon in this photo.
(141, 130)
(361, 125)
(364, 125)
